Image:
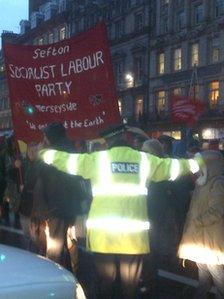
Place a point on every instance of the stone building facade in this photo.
(128, 32)
(155, 47)
(188, 38)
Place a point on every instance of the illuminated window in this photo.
(138, 106)
(51, 38)
(194, 54)
(213, 94)
(177, 59)
(120, 105)
(177, 91)
(161, 63)
(62, 33)
(161, 101)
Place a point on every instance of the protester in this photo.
(30, 167)
(57, 198)
(203, 238)
(2, 178)
(13, 176)
(117, 224)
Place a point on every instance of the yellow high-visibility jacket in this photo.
(118, 221)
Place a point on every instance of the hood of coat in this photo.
(214, 162)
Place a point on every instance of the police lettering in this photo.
(124, 167)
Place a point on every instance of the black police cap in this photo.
(113, 131)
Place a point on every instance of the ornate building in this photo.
(128, 31)
(188, 35)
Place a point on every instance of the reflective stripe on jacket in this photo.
(118, 220)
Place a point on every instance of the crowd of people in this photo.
(113, 214)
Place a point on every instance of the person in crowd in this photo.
(166, 142)
(30, 167)
(203, 239)
(117, 224)
(57, 201)
(2, 177)
(13, 176)
(164, 201)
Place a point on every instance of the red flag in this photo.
(186, 109)
(70, 82)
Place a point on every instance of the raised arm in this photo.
(170, 169)
(75, 164)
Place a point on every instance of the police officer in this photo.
(117, 224)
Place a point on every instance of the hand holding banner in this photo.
(70, 82)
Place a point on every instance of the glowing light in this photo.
(2, 257)
(72, 164)
(51, 242)
(194, 167)
(200, 254)
(119, 189)
(48, 156)
(144, 173)
(208, 133)
(175, 170)
(118, 225)
(79, 292)
(129, 77)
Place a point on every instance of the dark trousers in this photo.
(57, 249)
(209, 274)
(118, 275)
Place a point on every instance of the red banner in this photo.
(186, 110)
(70, 82)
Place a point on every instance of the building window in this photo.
(164, 2)
(177, 59)
(213, 94)
(177, 91)
(119, 71)
(138, 69)
(164, 24)
(215, 50)
(50, 38)
(219, 8)
(40, 41)
(139, 107)
(119, 29)
(199, 14)
(181, 20)
(62, 33)
(161, 63)
(138, 22)
(194, 54)
(161, 101)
